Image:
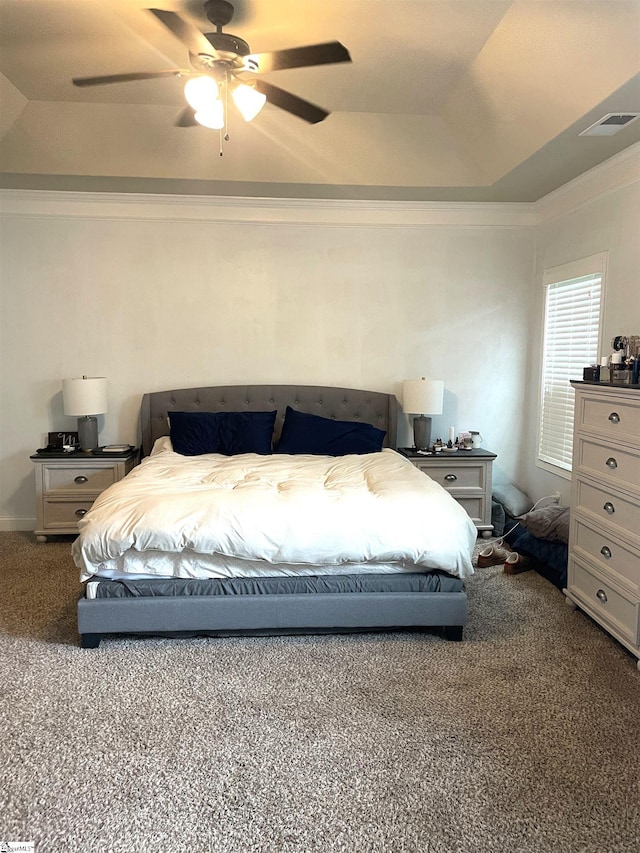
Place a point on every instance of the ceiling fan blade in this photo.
(187, 118)
(126, 78)
(291, 103)
(298, 57)
(188, 34)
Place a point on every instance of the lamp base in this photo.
(422, 432)
(88, 432)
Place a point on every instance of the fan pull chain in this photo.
(226, 104)
(226, 113)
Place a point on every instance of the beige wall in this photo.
(162, 292)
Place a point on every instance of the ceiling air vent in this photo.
(610, 124)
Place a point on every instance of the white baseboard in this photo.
(9, 524)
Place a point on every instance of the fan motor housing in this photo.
(227, 43)
(230, 51)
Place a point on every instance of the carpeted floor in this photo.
(524, 738)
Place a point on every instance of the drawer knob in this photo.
(81, 512)
(611, 463)
(614, 417)
(80, 479)
(606, 552)
(609, 508)
(450, 478)
(601, 594)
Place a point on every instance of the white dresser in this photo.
(604, 542)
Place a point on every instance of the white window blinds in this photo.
(571, 336)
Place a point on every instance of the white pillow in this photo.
(161, 445)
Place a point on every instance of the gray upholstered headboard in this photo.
(342, 404)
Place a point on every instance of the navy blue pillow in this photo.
(303, 433)
(230, 433)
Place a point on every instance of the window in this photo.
(572, 320)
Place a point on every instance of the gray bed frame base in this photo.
(304, 612)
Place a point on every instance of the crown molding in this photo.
(620, 171)
(223, 209)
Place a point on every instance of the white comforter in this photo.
(367, 510)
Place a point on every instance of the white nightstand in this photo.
(67, 485)
(466, 474)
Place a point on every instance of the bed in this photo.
(333, 531)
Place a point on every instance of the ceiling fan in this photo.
(223, 64)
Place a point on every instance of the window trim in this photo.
(594, 265)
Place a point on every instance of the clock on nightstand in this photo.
(466, 474)
(67, 484)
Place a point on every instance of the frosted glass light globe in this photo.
(200, 92)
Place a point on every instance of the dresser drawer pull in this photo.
(602, 595)
(81, 512)
(606, 552)
(614, 417)
(611, 463)
(80, 479)
(450, 478)
(609, 508)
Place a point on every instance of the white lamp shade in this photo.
(86, 395)
(423, 396)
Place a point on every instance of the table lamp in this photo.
(85, 397)
(422, 397)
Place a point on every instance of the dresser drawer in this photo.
(77, 479)
(64, 513)
(609, 506)
(606, 551)
(464, 475)
(604, 602)
(613, 418)
(614, 465)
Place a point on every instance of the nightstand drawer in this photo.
(605, 602)
(460, 476)
(64, 513)
(609, 506)
(85, 478)
(606, 551)
(473, 506)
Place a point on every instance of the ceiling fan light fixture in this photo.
(217, 59)
(212, 116)
(201, 92)
(248, 101)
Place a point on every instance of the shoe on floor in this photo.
(493, 555)
(516, 563)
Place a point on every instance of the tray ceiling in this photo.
(461, 100)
